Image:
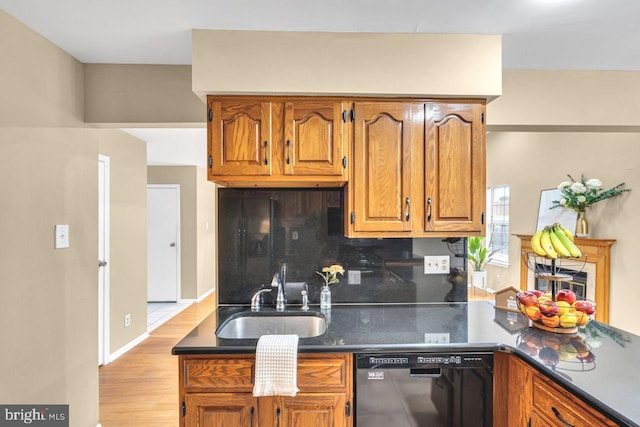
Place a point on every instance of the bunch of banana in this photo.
(554, 241)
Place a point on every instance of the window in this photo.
(498, 224)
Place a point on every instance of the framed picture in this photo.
(547, 216)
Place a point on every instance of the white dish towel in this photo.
(276, 366)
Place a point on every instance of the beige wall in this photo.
(206, 222)
(567, 100)
(266, 62)
(49, 297)
(40, 84)
(530, 162)
(141, 96)
(128, 240)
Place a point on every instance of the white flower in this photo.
(563, 185)
(582, 199)
(578, 188)
(594, 183)
(563, 201)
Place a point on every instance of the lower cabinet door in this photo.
(221, 409)
(309, 409)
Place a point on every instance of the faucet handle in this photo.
(275, 282)
(305, 297)
(256, 299)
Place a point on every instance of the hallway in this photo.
(140, 388)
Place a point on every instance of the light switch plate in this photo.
(438, 264)
(62, 236)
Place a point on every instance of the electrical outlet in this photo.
(437, 338)
(354, 277)
(127, 320)
(438, 264)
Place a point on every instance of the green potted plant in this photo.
(478, 256)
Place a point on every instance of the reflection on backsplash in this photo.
(258, 230)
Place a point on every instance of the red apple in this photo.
(537, 292)
(585, 306)
(548, 308)
(527, 298)
(566, 295)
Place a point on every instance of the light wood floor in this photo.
(140, 388)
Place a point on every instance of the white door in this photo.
(103, 260)
(163, 242)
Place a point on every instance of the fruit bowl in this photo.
(562, 314)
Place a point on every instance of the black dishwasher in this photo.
(424, 390)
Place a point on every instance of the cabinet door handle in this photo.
(559, 417)
(429, 207)
(266, 158)
(288, 152)
(408, 209)
(251, 411)
(278, 416)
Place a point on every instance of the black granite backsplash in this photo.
(259, 230)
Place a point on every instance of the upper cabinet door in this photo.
(313, 138)
(240, 138)
(455, 167)
(382, 166)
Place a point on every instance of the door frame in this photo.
(103, 272)
(178, 237)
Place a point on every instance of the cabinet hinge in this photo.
(183, 409)
(482, 218)
(482, 118)
(344, 162)
(353, 115)
(344, 116)
(210, 161)
(347, 409)
(353, 217)
(210, 114)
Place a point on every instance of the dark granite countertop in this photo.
(599, 364)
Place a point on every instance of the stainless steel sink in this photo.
(250, 324)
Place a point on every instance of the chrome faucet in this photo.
(256, 299)
(279, 281)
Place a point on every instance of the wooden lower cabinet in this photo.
(216, 391)
(526, 397)
(220, 409)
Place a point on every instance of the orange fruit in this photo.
(533, 313)
(551, 321)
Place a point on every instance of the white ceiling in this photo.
(537, 34)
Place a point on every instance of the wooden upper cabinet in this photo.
(240, 139)
(382, 166)
(455, 167)
(277, 141)
(313, 138)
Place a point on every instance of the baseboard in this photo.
(122, 350)
(186, 301)
(206, 294)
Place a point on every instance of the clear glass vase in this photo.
(325, 297)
